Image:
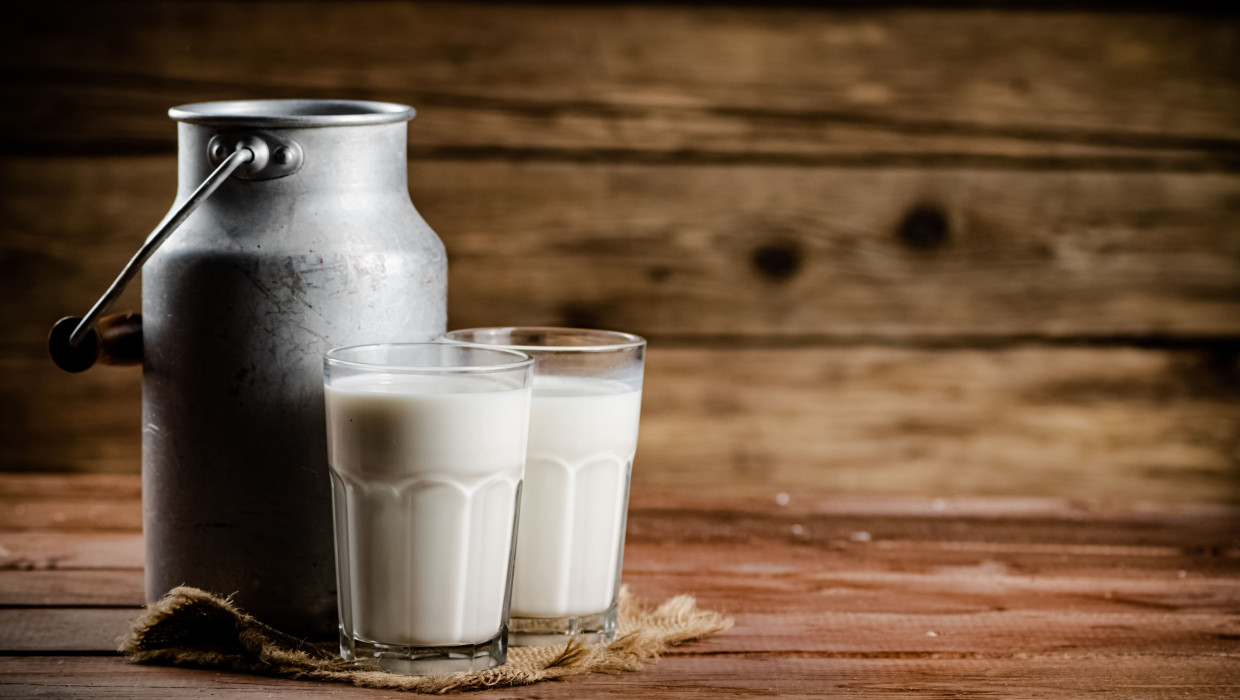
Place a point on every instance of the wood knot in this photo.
(777, 261)
(1214, 371)
(660, 273)
(581, 315)
(924, 228)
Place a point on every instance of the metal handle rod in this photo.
(235, 160)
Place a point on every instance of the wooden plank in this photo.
(73, 588)
(787, 253)
(1161, 560)
(71, 514)
(1144, 535)
(103, 486)
(793, 580)
(30, 551)
(808, 631)
(1086, 423)
(811, 502)
(63, 629)
(810, 558)
(1004, 633)
(640, 82)
(741, 675)
(786, 588)
(772, 254)
(89, 422)
(906, 540)
(789, 580)
(1147, 530)
(23, 487)
(527, 267)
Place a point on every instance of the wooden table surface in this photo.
(832, 595)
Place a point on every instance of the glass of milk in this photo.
(583, 433)
(426, 443)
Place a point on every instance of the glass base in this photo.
(426, 661)
(599, 628)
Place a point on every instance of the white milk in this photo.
(425, 486)
(583, 433)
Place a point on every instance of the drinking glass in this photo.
(583, 433)
(426, 443)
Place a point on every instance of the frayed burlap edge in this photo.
(190, 627)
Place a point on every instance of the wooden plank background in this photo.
(937, 250)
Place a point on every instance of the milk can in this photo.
(292, 233)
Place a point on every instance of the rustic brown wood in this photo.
(841, 580)
(1017, 597)
(102, 486)
(648, 82)
(40, 629)
(694, 515)
(27, 550)
(1087, 423)
(794, 253)
(1077, 422)
(687, 253)
(71, 514)
(820, 535)
(68, 587)
(732, 676)
(1002, 633)
(93, 425)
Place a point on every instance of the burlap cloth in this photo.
(190, 627)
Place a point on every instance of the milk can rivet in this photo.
(283, 155)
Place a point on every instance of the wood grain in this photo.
(72, 514)
(780, 583)
(911, 442)
(786, 253)
(696, 253)
(1086, 423)
(1081, 422)
(731, 676)
(29, 550)
(102, 486)
(654, 83)
(1006, 633)
(1027, 597)
(816, 575)
(62, 629)
(120, 588)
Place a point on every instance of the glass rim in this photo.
(628, 340)
(522, 360)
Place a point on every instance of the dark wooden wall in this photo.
(937, 250)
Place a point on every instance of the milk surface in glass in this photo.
(583, 433)
(426, 479)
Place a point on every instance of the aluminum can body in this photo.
(238, 308)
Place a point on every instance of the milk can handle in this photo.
(66, 345)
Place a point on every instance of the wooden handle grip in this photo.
(115, 340)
